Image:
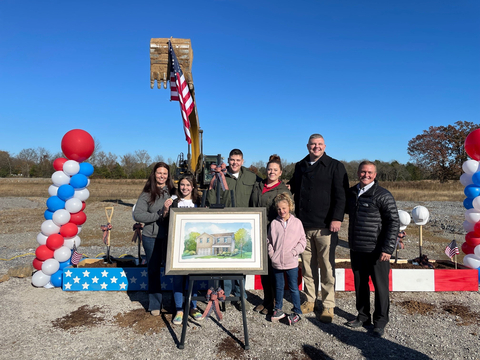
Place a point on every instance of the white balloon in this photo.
(52, 190)
(71, 167)
(73, 205)
(59, 178)
(61, 217)
(470, 166)
(468, 226)
(476, 251)
(48, 285)
(466, 179)
(88, 182)
(40, 279)
(73, 240)
(62, 254)
(472, 261)
(49, 228)
(79, 229)
(42, 238)
(82, 194)
(50, 266)
(472, 215)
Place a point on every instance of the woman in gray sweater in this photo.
(150, 211)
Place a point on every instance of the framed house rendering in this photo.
(217, 241)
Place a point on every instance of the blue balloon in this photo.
(476, 178)
(86, 169)
(48, 214)
(65, 192)
(468, 203)
(78, 181)
(472, 191)
(64, 264)
(56, 278)
(54, 203)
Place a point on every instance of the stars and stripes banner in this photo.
(452, 249)
(179, 91)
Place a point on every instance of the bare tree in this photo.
(28, 158)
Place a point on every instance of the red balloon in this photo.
(54, 241)
(83, 205)
(69, 230)
(472, 144)
(467, 249)
(471, 239)
(78, 145)
(78, 218)
(37, 264)
(476, 228)
(43, 253)
(58, 163)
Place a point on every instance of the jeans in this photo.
(292, 278)
(153, 251)
(178, 290)
(233, 289)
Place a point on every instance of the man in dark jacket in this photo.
(372, 234)
(319, 184)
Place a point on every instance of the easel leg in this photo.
(186, 313)
(244, 313)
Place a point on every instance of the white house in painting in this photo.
(214, 244)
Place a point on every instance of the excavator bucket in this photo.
(160, 72)
(159, 69)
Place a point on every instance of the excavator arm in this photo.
(160, 72)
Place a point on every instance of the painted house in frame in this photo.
(214, 244)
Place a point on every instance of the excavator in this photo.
(196, 162)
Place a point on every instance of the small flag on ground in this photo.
(179, 91)
(76, 256)
(452, 249)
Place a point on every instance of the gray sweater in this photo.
(146, 213)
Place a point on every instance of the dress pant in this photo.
(365, 265)
(317, 256)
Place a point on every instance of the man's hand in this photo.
(384, 257)
(335, 226)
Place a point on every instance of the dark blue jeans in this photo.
(153, 251)
(180, 283)
(292, 277)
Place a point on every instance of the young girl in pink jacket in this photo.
(286, 240)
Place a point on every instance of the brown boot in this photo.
(327, 315)
(307, 307)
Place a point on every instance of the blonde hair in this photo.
(285, 197)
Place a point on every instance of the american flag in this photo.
(179, 91)
(452, 249)
(76, 256)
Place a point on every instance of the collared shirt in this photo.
(361, 191)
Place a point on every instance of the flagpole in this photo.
(455, 261)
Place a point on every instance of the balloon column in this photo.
(64, 215)
(471, 180)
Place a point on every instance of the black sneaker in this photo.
(293, 319)
(277, 315)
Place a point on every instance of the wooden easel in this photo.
(109, 214)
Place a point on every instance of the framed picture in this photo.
(217, 241)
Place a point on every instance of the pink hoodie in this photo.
(285, 243)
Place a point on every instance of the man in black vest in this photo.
(319, 184)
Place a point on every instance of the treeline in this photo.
(38, 163)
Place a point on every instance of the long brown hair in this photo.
(151, 185)
(191, 179)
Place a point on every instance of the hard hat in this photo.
(404, 218)
(420, 215)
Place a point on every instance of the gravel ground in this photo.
(38, 323)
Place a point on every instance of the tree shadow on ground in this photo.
(119, 202)
(370, 347)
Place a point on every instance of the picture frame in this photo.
(217, 241)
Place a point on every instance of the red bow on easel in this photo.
(213, 297)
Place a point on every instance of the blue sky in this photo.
(368, 75)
